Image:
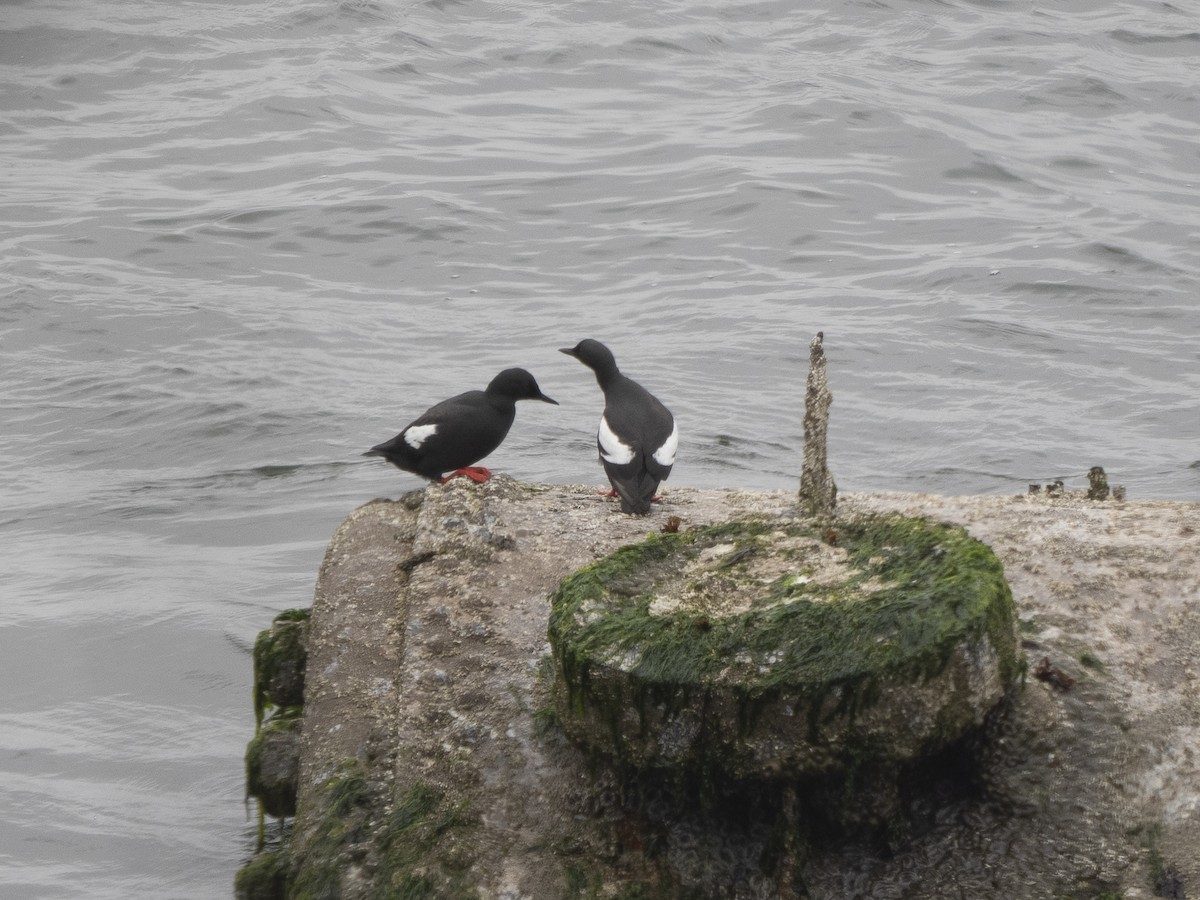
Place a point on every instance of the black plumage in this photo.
(637, 438)
(454, 434)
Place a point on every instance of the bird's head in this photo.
(594, 355)
(519, 385)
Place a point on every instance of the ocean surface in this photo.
(241, 242)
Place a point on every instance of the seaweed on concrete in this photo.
(913, 594)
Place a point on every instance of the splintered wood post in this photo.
(818, 492)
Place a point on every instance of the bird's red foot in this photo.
(477, 474)
(656, 499)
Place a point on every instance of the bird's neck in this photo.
(502, 402)
(606, 378)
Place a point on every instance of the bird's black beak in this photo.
(546, 399)
(570, 351)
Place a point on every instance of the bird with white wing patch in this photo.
(453, 434)
(637, 438)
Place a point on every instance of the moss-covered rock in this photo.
(279, 661)
(272, 759)
(420, 850)
(336, 839)
(273, 763)
(263, 878)
(784, 649)
(427, 847)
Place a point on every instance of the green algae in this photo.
(279, 660)
(425, 848)
(271, 759)
(339, 826)
(912, 595)
(263, 878)
(585, 884)
(420, 851)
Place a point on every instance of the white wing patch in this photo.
(418, 435)
(665, 455)
(611, 446)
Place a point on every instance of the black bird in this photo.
(455, 433)
(637, 436)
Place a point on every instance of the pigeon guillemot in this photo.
(455, 433)
(637, 436)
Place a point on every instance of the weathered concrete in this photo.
(355, 647)
(818, 491)
(431, 762)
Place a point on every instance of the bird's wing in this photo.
(644, 429)
(457, 430)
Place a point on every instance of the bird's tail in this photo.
(636, 494)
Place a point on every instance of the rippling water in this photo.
(242, 242)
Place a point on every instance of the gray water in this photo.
(242, 242)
